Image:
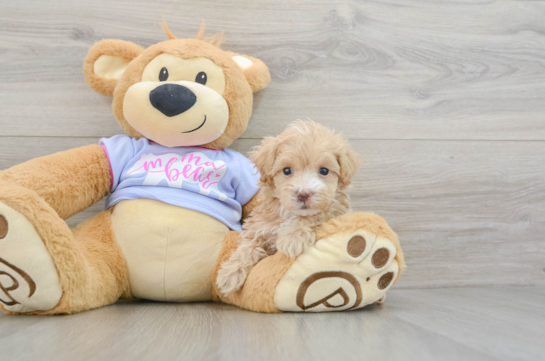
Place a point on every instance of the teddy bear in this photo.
(176, 197)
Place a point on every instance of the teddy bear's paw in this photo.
(28, 277)
(344, 271)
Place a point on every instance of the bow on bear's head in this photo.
(180, 92)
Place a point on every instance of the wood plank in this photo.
(467, 212)
(504, 323)
(388, 69)
(476, 317)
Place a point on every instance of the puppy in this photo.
(303, 171)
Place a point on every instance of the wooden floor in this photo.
(503, 323)
(444, 100)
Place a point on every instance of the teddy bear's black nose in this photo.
(172, 99)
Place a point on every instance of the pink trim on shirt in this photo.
(110, 163)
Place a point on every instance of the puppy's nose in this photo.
(303, 196)
(172, 99)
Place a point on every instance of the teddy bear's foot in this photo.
(28, 277)
(346, 270)
(356, 259)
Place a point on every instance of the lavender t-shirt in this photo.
(217, 183)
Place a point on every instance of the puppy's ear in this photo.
(256, 72)
(106, 62)
(263, 157)
(349, 162)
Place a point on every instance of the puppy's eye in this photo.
(324, 171)
(201, 78)
(287, 171)
(163, 74)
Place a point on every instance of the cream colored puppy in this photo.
(303, 171)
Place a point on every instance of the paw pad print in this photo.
(28, 277)
(344, 271)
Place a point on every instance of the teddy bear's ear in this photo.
(255, 71)
(106, 62)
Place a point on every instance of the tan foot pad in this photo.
(341, 272)
(28, 278)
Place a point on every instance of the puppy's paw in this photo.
(295, 243)
(291, 249)
(231, 278)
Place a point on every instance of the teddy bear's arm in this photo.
(69, 181)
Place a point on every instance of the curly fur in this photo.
(292, 205)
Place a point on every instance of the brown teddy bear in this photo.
(176, 197)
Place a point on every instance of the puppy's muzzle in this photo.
(172, 99)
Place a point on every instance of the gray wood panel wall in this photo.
(444, 100)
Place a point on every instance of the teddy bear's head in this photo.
(180, 92)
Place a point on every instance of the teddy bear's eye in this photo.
(201, 78)
(163, 74)
(287, 171)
